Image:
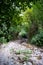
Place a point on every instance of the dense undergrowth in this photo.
(19, 19)
(38, 39)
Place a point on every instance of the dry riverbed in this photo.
(15, 53)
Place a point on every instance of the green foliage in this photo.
(2, 40)
(23, 51)
(25, 58)
(12, 24)
(9, 18)
(22, 33)
(38, 39)
(37, 17)
(26, 54)
(31, 21)
(38, 10)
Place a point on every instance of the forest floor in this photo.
(17, 53)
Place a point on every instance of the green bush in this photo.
(3, 40)
(22, 32)
(38, 39)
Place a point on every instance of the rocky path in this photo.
(15, 53)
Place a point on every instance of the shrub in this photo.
(38, 39)
(3, 40)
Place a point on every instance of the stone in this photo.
(40, 64)
(24, 63)
(41, 50)
(39, 57)
(7, 58)
(29, 63)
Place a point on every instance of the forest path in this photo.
(15, 53)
